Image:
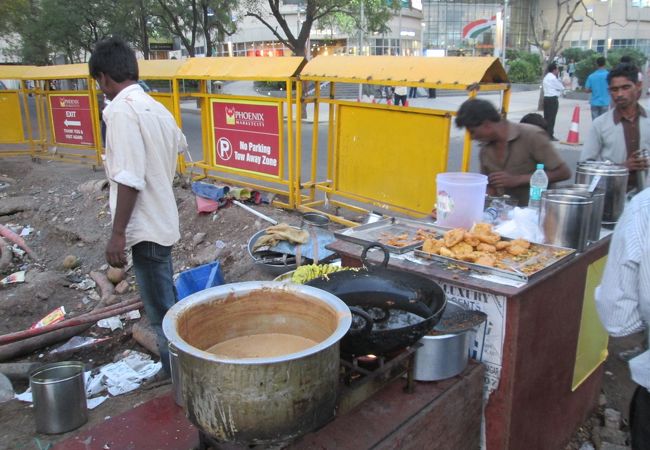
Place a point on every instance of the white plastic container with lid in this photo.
(460, 198)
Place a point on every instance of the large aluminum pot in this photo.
(613, 180)
(565, 218)
(598, 196)
(262, 399)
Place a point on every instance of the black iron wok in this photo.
(391, 309)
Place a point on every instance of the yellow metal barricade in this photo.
(163, 73)
(383, 155)
(16, 131)
(68, 114)
(246, 141)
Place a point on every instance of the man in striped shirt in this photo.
(623, 302)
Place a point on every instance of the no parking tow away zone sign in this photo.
(246, 135)
(72, 122)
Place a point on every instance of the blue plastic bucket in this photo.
(198, 279)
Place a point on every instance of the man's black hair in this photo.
(535, 119)
(629, 71)
(114, 58)
(551, 67)
(600, 61)
(475, 111)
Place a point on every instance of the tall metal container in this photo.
(598, 196)
(613, 180)
(565, 218)
(258, 400)
(59, 396)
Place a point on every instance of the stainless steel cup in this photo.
(565, 219)
(642, 176)
(598, 196)
(59, 396)
(177, 387)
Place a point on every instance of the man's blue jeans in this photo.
(154, 274)
(598, 111)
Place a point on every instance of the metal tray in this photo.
(376, 232)
(518, 270)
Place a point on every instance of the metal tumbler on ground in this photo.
(59, 397)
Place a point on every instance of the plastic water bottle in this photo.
(538, 184)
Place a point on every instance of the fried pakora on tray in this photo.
(453, 237)
(480, 245)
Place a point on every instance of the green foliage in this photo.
(614, 56)
(586, 66)
(524, 67)
(521, 71)
(576, 54)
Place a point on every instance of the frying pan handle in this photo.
(364, 255)
(367, 320)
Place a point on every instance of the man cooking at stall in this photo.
(616, 135)
(509, 151)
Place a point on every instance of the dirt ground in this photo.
(66, 207)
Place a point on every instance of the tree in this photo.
(19, 24)
(185, 19)
(343, 12)
(549, 38)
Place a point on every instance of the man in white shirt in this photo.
(142, 146)
(553, 88)
(623, 302)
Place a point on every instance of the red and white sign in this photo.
(246, 135)
(72, 121)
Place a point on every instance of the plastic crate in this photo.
(198, 279)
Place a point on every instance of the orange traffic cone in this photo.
(389, 101)
(406, 102)
(573, 137)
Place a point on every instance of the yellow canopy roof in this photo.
(57, 72)
(251, 68)
(159, 68)
(460, 71)
(13, 72)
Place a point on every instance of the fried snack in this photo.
(453, 237)
(423, 234)
(516, 250)
(462, 248)
(432, 246)
(470, 257)
(471, 239)
(486, 260)
(491, 238)
(444, 251)
(523, 243)
(502, 245)
(486, 248)
(481, 228)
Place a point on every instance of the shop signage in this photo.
(72, 122)
(246, 135)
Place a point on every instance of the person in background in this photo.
(621, 131)
(413, 92)
(142, 147)
(400, 95)
(623, 302)
(509, 151)
(597, 85)
(535, 119)
(553, 89)
(571, 68)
